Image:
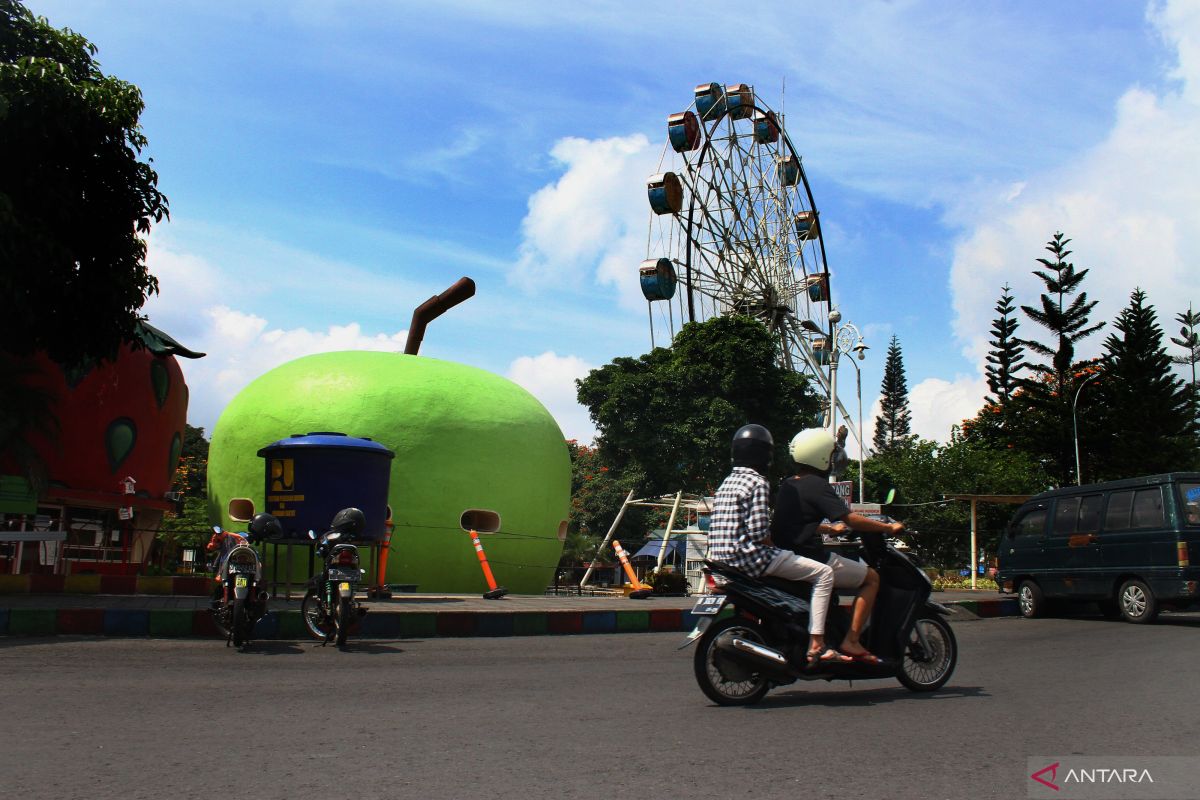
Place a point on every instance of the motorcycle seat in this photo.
(801, 589)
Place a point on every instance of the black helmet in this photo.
(753, 447)
(264, 526)
(348, 520)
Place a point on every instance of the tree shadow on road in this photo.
(856, 698)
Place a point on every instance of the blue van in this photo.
(1132, 546)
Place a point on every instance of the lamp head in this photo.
(861, 350)
(835, 316)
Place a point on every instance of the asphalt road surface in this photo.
(616, 716)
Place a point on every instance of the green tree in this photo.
(1007, 356)
(1146, 416)
(1052, 388)
(75, 198)
(924, 472)
(892, 426)
(1189, 340)
(665, 419)
(24, 410)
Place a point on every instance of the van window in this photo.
(1148, 509)
(1191, 502)
(1089, 513)
(1031, 523)
(1066, 511)
(1117, 517)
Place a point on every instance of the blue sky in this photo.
(330, 165)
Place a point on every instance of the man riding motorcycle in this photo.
(803, 504)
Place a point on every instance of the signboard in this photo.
(844, 490)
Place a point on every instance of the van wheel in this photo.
(1030, 599)
(1138, 604)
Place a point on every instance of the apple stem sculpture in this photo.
(494, 592)
(640, 591)
(434, 307)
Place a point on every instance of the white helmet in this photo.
(813, 448)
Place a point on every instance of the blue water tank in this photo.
(310, 477)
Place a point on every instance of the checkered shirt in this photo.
(741, 523)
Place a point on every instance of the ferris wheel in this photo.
(734, 230)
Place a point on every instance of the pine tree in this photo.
(892, 426)
(1007, 356)
(1145, 405)
(1052, 390)
(1189, 340)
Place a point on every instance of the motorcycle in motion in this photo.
(239, 600)
(329, 607)
(764, 643)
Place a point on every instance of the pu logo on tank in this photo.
(283, 476)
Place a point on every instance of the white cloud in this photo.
(551, 379)
(243, 346)
(592, 222)
(1131, 206)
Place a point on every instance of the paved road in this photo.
(614, 716)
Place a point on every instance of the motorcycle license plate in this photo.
(709, 605)
(343, 587)
(706, 608)
(240, 582)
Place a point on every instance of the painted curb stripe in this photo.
(14, 584)
(32, 622)
(564, 622)
(170, 622)
(126, 622)
(84, 621)
(81, 584)
(494, 625)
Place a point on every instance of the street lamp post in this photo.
(861, 349)
(846, 338)
(1075, 427)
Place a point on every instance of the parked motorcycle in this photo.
(329, 607)
(764, 644)
(239, 599)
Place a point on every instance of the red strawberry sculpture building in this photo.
(110, 468)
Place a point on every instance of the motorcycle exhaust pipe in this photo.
(756, 656)
(760, 651)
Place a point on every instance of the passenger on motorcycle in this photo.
(223, 542)
(802, 506)
(740, 533)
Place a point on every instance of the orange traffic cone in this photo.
(640, 591)
(494, 592)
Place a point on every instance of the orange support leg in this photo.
(494, 591)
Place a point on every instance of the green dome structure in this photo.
(472, 448)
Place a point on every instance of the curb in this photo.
(177, 585)
(288, 625)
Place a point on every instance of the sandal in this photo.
(827, 656)
(865, 657)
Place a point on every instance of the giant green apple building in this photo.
(472, 449)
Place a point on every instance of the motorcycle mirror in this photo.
(891, 495)
(311, 535)
(217, 529)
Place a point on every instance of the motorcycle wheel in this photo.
(345, 614)
(721, 680)
(239, 623)
(316, 620)
(923, 671)
(220, 615)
